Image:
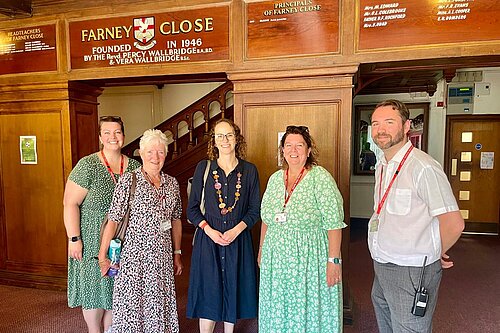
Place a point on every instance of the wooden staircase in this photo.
(189, 137)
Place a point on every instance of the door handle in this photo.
(454, 166)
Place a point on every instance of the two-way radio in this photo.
(421, 296)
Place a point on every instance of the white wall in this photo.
(138, 106)
(362, 186)
(175, 97)
(143, 107)
(487, 104)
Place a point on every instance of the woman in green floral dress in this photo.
(87, 198)
(299, 254)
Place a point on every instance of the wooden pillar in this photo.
(265, 102)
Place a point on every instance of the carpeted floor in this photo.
(469, 298)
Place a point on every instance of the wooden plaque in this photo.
(26, 50)
(386, 24)
(292, 28)
(184, 36)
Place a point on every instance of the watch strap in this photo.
(336, 261)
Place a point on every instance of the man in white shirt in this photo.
(416, 216)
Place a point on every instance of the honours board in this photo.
(26, 50)
(389, 24)
(281, 28)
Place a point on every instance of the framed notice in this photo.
(27, 147)
(25, 50)
(390, 24)
(276, 28)
(156, 38)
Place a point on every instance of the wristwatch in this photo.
(74, 238)
(177, 251)
(336, 261)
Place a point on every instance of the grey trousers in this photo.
(393, 292)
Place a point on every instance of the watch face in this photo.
(75, 238)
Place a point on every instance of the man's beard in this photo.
(392, 142)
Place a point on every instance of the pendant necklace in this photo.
(222, 205)
(109, 166)
(157, 190)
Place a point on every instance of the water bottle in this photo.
(114, 255)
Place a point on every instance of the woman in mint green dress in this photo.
(299, 254)
(87, 198)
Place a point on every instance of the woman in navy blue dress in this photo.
(222, 281)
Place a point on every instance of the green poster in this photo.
(27, 145)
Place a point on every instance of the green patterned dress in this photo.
(86, 288)
(293, 295)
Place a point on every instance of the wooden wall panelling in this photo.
(84, 119)
(34, 244)
(32, 236)
(266, 102)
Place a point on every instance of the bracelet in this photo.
(177, 251)
(203, 224)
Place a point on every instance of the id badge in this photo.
(280, 217)
(373, 225)
(165, 225)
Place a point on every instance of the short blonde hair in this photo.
(152, 136)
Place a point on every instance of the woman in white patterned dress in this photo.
(144, 298)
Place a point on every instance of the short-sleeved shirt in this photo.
(408, 226)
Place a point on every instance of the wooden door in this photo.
(472, 163)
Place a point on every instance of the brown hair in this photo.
(111, 119)
(396, 105)
(241, 145)
(312, 159)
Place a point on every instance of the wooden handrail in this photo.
(195, 135)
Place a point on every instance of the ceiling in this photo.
(16, 8)
(415, 75)
(373, 78)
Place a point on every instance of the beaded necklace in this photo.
(223, 209)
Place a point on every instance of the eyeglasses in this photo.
(110, 118)
(220, 136)
(299, 129)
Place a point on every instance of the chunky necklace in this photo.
(223, 209)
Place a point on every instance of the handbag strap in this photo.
(132, 188)
(205, 176)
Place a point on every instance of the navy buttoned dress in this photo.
(222, 280)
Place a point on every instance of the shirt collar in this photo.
(401, 153)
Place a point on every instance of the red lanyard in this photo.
(109, 167)
(299, 177)
(381, 203)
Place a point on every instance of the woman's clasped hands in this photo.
(223, 239)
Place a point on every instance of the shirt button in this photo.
(225, 184)
(222, 258)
